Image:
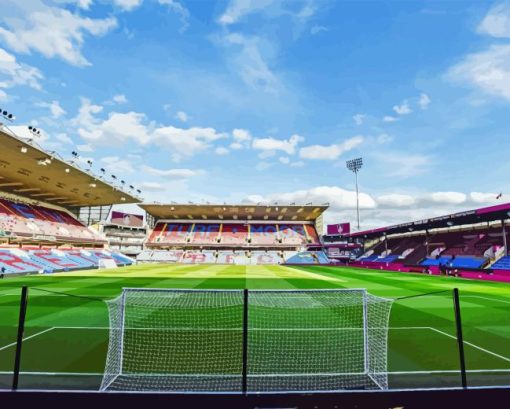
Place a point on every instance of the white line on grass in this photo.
(240, 328)
(484, 298)
(472, 345)
(27, 338)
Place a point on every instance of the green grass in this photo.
(67, 337)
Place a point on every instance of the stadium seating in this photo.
(226, 257)
(31, 260)
(292, 234)
(198, 257)
(264, 234)
(467, 262)
(42, 223)
(436, 261)
(502, 264)
(205, 233)
(172, 233)
(265, 257)
(234, 234)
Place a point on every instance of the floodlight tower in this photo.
(354, 165)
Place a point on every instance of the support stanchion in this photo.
(245, 343)
(460, 339)
(19, 340)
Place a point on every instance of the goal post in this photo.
(246, 341)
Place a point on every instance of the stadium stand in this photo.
(16, 260)
(263, 234)
(266, 257)
(205, 233)
(502, 264)
(235, 234)
(31, 221)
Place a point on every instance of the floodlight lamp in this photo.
(354, 165)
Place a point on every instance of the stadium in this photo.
(238, 299)
(261, 204)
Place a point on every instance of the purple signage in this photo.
(340, 228)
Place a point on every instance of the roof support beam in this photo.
(7, 184)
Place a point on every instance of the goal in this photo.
(246, 341)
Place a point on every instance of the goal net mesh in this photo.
(297, 341)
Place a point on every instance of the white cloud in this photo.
(242, 139)
(118, 165)
(403, 108)
(62, 137)
(237, 9)
(358, 119)
(297, 164)
(85, 148)
(120, 128)
(284, 159)
(127, 5)
(380, 211)
(487, 70)
(337, 198)
(119, 99)
(389, 118)
(185, 143)
(173, 173)
(236, 146)
(249, 63)
(330, 152)
(241, 135)
(221, 150)
(182, 116)
(271, 144)
(404, 164)
(384, 138)
(452, 198)
(180, 10)
(424, 101)
(51, 31)
(55, 109)
(317, 29)
(396, 200)
(13, 73)
(152, 187)
(23, 132)
(497, 21)
(483, 198)
(3, 96)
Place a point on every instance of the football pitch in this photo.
(66, 338)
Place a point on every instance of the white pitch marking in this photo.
(472, 345)
(27, 338)
(485, 298)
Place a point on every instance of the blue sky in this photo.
(264, 100)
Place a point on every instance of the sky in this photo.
(263, 101)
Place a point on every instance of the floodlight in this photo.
(354, 165)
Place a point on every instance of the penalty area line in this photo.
(27, 338)
(472, 345)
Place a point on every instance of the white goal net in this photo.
(253, 342)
